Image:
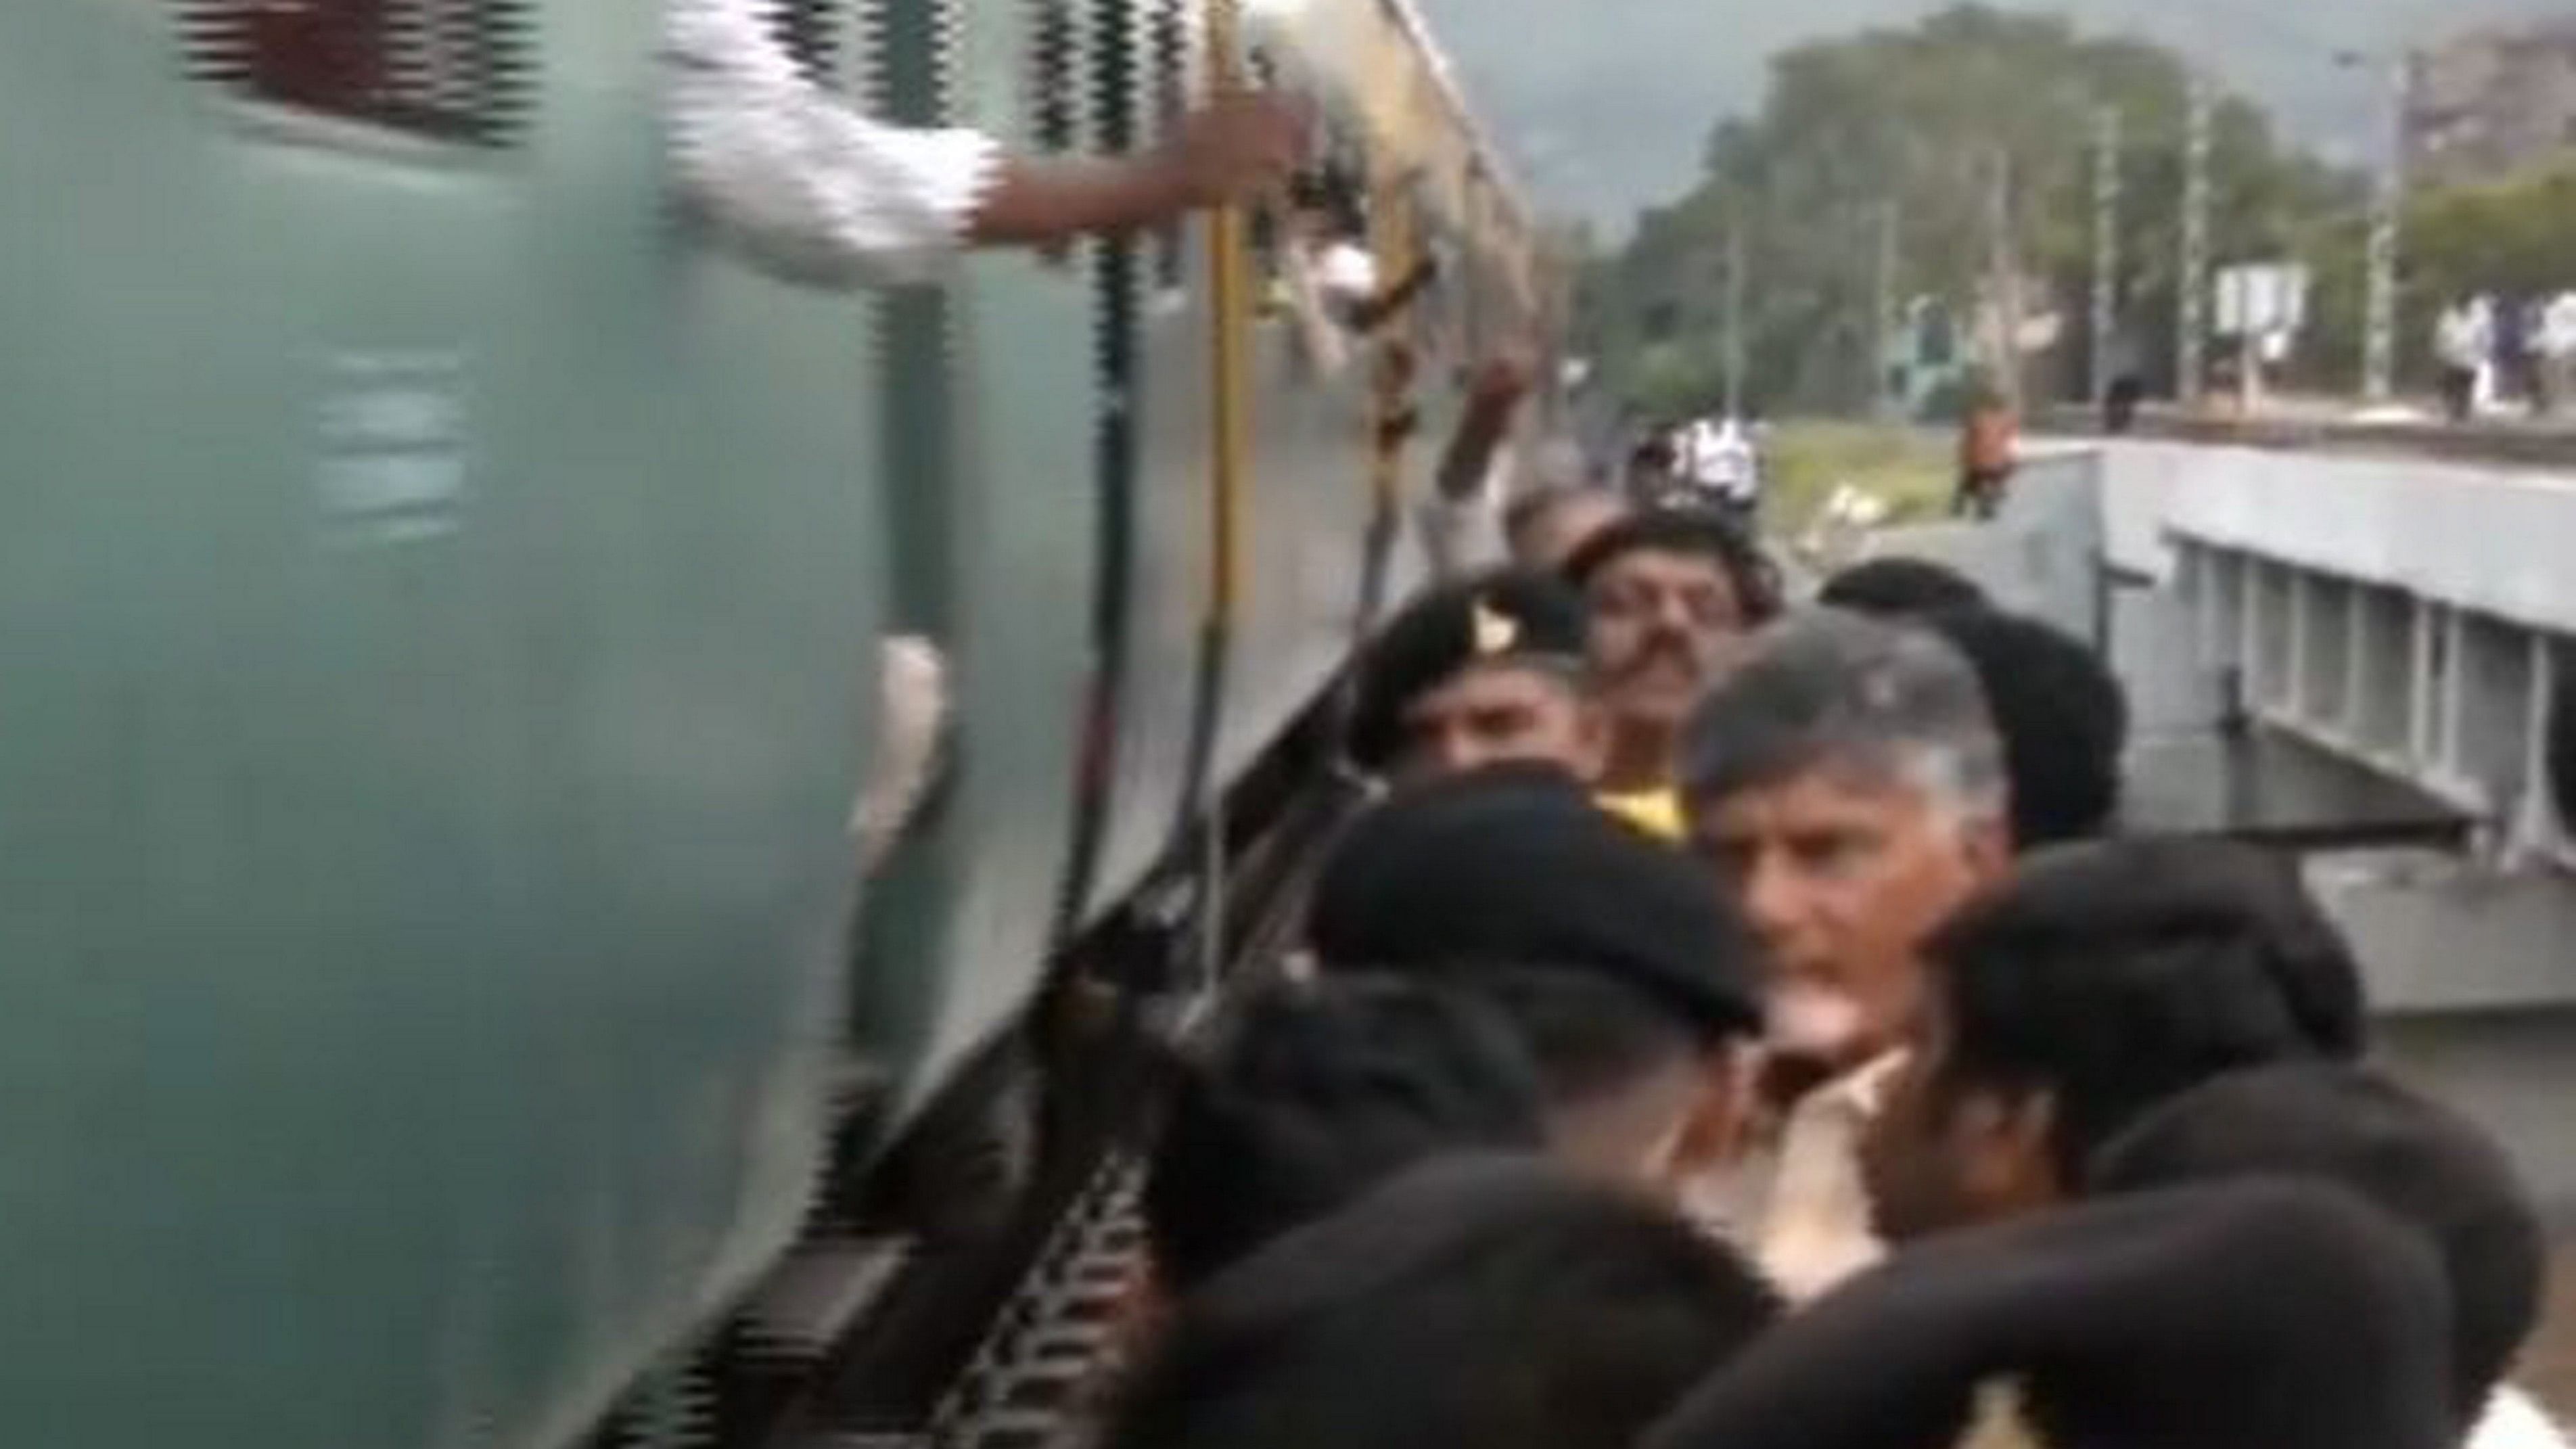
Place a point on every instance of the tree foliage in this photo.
(1920, 118)
(2514, 239)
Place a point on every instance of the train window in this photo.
(1467, 304)
(810, 29)
(1261, 69)
(1168, 34)
(1117, 90)
(1054, 110)
(449, 70)
(1055, 114)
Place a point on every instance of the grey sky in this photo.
(1604, 103)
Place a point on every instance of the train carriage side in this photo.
(1163, 412)
(999, 521)
(1310, 508)
(1056, 531)
(440, 608)
(443, 602)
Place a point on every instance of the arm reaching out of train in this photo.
(1239, 146)
(1493, 401)
(1381, 309)
(810, 189)
(1321, 345)
(1466, 501)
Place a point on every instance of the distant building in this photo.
(2491, 103)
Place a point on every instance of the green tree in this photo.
(1921, 117)
(2515, 239)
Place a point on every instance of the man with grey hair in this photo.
(1847, 784)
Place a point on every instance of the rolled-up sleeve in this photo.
(795, 179)
(1462, 534)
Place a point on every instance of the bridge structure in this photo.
(2348, 648)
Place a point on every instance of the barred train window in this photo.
(1117, 83)
(451, 70)
(810, 29)
(1169, 38)
(1056, 43)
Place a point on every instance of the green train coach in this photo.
(442, 603)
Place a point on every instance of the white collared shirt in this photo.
(795, 179)
(2513, 1420)
(1462, 535)
(1804, 1215)
(2558, 328)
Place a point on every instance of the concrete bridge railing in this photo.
(2409, 614)
(2412, 614)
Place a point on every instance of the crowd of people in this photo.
(2495, 351)
(1713, 461)
(1740, 1022)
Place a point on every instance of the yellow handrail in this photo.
(1230, 282)
(1396, 253)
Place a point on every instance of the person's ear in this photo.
(1592, 742)
(2004, 1142)
(1986, 843)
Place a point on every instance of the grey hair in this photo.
(1826, 689)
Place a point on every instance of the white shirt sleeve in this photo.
(1347, 274)
(1460, 535)
(795, 179)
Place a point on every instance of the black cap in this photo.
(2270, 1314)
(1516, 866)
(1514, 614)
(2421, 1163)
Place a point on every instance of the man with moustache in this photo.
(1671, 593)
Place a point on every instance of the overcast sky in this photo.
(1604, 104)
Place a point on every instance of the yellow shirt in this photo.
(1656, 812)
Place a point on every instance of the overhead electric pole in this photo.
(2106, 247)
(2006, 283)
(2194, 282)
(2387, 213)
(1735, 319)
(1891, 223)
